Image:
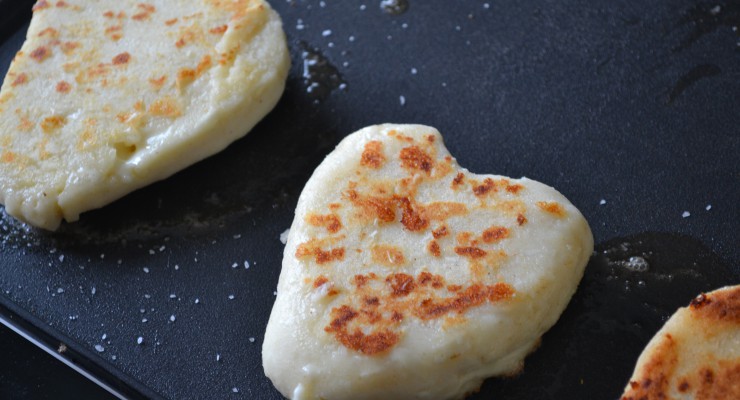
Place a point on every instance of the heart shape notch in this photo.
(406, 276)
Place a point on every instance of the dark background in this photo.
(633, 103)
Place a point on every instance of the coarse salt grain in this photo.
(231, 297)
(251, 339)
(99, 348)
(326, 33)
(146, 270)
(709, 207)
(139, 340)
(686, 214)
(172, 318)
(402, 100)
(284, 236)
(602, 202)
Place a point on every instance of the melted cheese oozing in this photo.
(406, 276)
(105, 97)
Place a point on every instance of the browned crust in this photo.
(711, 375)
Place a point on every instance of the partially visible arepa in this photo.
(107, 96)
(696, 355)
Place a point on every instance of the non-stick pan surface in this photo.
(630, 109)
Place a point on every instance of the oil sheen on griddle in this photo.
(319, 75)
(631, 286)
(394, 7)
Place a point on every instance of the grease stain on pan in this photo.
(319, 75)
(691, 77)
(707, 18)
(631, 286)
(394, 7)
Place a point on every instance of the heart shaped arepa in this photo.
(406, 276)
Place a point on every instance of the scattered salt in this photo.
(177, 267)
(686, 214)
(246, 264)
(231, 297)
(146, 269)
(99, 348)
(709, 207)
(173, 296)
(172, 318)
(284, 236)
(103, 337)
(234, 265)
(413, 71)
(486, 5)
(144, 320)
(61, 258)
(93, 290)
(402, 100)
(139, 340)
(237, 236)
(235, 390)
(251, 340)
(218, 357)
(602, 202)
(60, 290)
(326, 33)
(147, 296)
(197, 300)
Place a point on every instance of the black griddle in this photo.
(631, 110)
